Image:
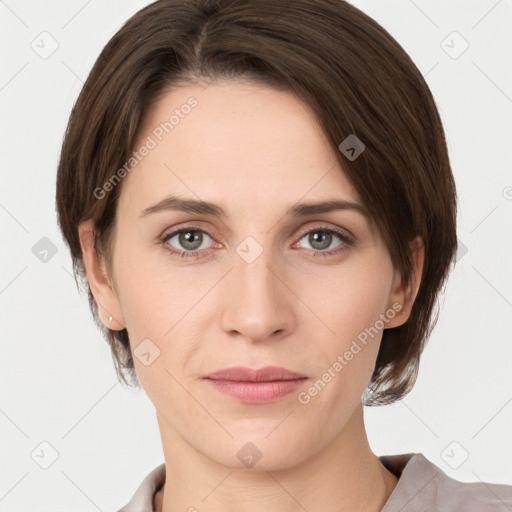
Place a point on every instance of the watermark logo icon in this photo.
(249, 249)
(44, 455)
(454, 45)
(454, 455)
(351, 147)
(462, 250)
(249, 454)
(44, 250)
(45, 45)
(146, 352)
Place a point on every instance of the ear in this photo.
(99, 281)
(405, 295)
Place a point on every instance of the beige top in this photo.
(421, 487)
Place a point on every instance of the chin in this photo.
(255, 453)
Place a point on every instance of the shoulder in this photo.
(424, 486)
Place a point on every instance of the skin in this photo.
(255, 151)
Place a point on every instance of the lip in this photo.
(255, 386)
(245, 374)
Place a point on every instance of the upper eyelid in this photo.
(319, 227)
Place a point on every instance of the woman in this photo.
(259, 197)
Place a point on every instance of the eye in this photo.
(189, 242)
(192, 242)
(321, 238)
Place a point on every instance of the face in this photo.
(260, 285)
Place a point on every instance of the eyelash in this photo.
(347, 241)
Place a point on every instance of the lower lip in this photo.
(257, 392)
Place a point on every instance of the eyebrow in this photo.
(174, 203)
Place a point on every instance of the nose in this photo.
(257, 303)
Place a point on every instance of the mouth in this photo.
(263, 385)
(245, 374)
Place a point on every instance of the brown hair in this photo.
(354, 76)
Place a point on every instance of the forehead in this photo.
(237, 143)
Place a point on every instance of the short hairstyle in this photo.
(349, 70)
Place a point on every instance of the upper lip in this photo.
(245, 374)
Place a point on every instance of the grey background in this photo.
(57, 383)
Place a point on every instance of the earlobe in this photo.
(405, 295)
(108, 303)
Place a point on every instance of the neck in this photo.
(344, 476)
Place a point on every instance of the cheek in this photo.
(349, 306)
(154, 294)
(165, 305)
(349, 299)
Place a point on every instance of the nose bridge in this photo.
(253, 267)
(258, 303)
(255, 282)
